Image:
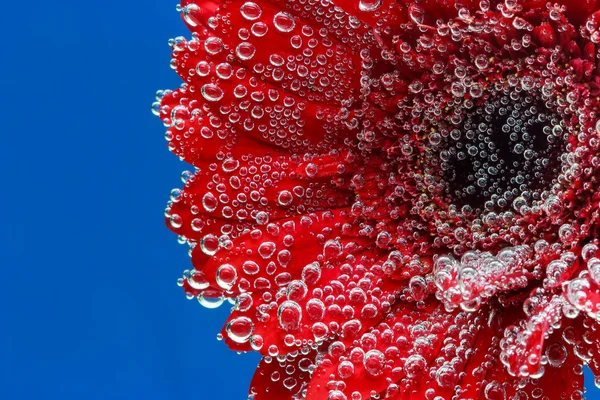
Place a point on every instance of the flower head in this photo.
(400, 198)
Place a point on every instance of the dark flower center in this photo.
(507, 147)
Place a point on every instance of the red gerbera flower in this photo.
(400, 197)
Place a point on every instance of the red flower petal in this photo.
(198, 133)
(577, 12)
(584, 335)
(262, 259)
(280, 378)
(401, 346)
(523, 344)
(483, 363)
(348, 302)
(233, 195)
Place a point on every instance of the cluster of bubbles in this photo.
(506, 146)
(307, 310)
(522, 344)
(485, 147)
(479, 276)
(496, 157)
(583, 292)
(246, 89)
(310, 62)
(238, 191)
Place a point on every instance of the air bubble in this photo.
(240, 329)
(245, 51)
(212, 92)
(226, 276)
(284, 22)
(289, 316)
(251, 11)
(369, 5)
(374, 362)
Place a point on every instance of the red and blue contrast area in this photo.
(89, 305)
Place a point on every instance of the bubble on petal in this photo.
(289, 316)
(251, 11)
(369, 5)
(240, 329)
(284, 22)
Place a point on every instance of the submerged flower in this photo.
(400, 197)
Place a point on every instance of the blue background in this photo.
(89, 307)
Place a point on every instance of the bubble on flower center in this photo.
(505, 147)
